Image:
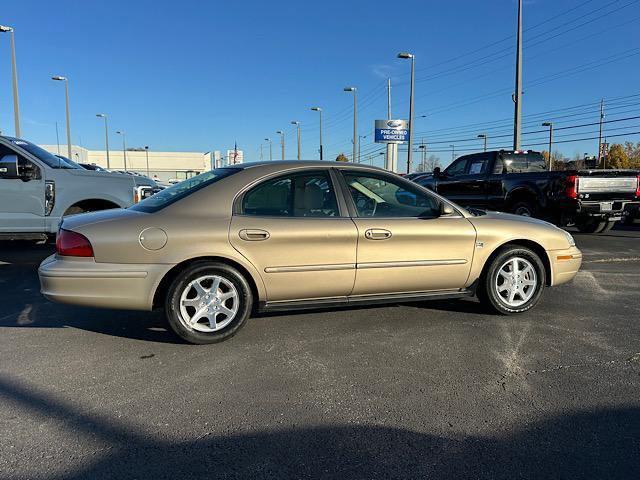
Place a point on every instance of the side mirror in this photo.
(436, 171)
(446, 209)
(9, 167)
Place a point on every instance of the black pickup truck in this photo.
(519, 182)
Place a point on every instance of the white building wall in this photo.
(166, 165)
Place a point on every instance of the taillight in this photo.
(638, 187)
(73, 244)
(572, 186)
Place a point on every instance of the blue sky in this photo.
(197, 76)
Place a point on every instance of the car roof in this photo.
(286, 164)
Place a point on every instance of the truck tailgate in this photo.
(592, 184)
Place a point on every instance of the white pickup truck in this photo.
(38, 188)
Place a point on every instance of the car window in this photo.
(384, 196)
(477, 166)
(297, 195)
(456, 168)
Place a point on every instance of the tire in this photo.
(532, 270)
(189, 308)
(525, 209)
(591, 225)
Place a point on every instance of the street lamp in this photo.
(124, 147)
(297, 124)
(319, 110)
(453, 152)
(484, 135)
(550, 125)
(66, 95)
(146, 151)
(106, 135)
(14, 68)
(270, 148)
(423, 149)
(413, 64)
(355, 118)
(281, 133)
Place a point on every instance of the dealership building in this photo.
(164, 166)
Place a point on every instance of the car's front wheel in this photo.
(208, 303)
(513, 282)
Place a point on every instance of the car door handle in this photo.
(377, 234)
(253, 235)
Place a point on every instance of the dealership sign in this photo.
(391, 131)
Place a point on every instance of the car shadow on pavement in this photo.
(594, 444)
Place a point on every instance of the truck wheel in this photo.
(208, 302)
(513, 282)
(525, 209)
(591, 225)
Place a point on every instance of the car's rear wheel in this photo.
(208, 303)
(513, 282)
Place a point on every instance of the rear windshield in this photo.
(522, 163)
(181, 190)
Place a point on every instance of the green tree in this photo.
(617, 157)
(342, 158)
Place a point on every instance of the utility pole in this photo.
(453, 152)
(319, 110)
(600, 133)
(517, 97)
(261, 158)
(66, 96)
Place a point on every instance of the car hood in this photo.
(490, 215)
(133, 180)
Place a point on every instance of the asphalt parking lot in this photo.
(438, 390)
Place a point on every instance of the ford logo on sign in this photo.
(394, 123)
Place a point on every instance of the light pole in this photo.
(124, 147)
(484, 135)
(550, 125)
(453, 152)
(106, 135)
(297, 124)
(66, 95)
(355, 118)
(281, 133)
(413, 64)
(14, 68)
(146, 151)
(270, 148)
(319, 110)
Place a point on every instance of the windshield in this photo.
(50, 159)
(181, 190)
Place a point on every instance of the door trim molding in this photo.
(411, 263)
(311, 268)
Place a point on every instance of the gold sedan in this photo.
(290, 235)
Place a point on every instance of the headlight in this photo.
(570, 239)
(49, 196)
